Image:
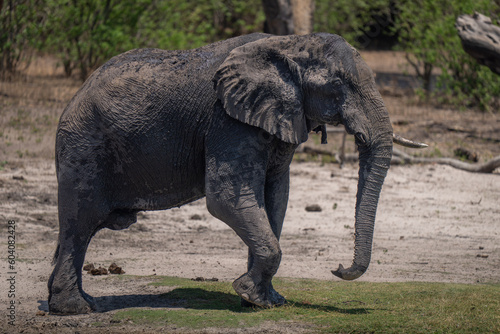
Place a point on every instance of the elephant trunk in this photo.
(374, 162)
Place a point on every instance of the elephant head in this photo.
(289, 85)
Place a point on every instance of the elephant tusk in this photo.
(406, 142)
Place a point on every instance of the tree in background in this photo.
(303, 16)
(279, 17)
(85, 33)
(360, 22)
(287, 17)
(427, 34)
(18, 30)
(180, 24)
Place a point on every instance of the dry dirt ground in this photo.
(434, 223)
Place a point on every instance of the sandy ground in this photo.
(434, 223)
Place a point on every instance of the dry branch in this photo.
(481, 39)
(315, 151)
(400, 157)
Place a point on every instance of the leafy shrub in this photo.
(17, 32)
(426, 30)
(180, 24)
(83, 34)
(358, 21)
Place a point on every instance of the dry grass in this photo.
(30, 106)
(387, 61)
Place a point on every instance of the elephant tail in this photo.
(56, 254)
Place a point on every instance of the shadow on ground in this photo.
(198, 299)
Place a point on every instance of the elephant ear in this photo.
(260, 86)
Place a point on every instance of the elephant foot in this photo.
(76, 303)
(257, 294)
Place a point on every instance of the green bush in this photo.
(83, 34)
(425, 30)
(180, 24)
(18, 30)
(427, 33)
(358, 21)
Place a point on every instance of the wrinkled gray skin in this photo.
(148, 131)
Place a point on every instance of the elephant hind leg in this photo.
(66, 295)
(79, 220)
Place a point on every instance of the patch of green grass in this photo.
(316, 138)
(346, 307)
(328, 159)
(436, 153)
(45, 120)
(35, 130)
(98, 324)
(305, 157)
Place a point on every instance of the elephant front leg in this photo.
(276, 199)
(252, 226)
(255, 286)
(276, 297)
(236, 196)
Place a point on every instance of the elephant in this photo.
(153, 129)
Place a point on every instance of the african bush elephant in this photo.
(154, 129)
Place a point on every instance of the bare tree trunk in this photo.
(303, 16)
(481, 39)
(279, 17)
(287, 17)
